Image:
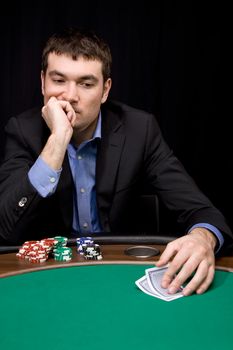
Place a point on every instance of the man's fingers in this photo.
(180, 269)
(209, 279)
(68, 109)
(43, 111)
(180, 257)
(184, 274)
(201, 280)
(70, 115)
(58, 115)
(54, 103)
(169, 252)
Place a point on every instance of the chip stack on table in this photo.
(48, 244)
(92, 252)
(87, 248)
(39, 251)
(33, 251)
(62, 254)
(81, 241)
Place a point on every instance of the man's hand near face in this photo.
(59, 117)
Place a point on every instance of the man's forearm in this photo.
(54, 152)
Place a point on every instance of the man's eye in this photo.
(87, 85)
(58, 81)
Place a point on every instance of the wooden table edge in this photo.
(90, 263)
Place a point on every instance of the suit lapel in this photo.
(38, 131)
(64, 192)
(108, 158)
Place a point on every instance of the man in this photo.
(81, 163)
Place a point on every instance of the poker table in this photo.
(96, 305)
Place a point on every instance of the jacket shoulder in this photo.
(29, 119)
(28, 128)
(122, 108)
(30, 114)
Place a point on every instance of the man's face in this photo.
(79, 82)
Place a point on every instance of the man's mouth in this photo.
(76, 110)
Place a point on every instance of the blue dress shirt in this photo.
(82, 161)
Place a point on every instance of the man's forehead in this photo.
(66, 65)
(65, 57)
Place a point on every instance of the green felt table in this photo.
(100, 307)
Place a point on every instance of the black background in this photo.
(170, 58)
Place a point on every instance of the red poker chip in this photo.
(30, 243)
(20, 256)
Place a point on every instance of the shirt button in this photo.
(80, 157)
(82, 190)
(52, 179)
(22, 202)
(85, 225)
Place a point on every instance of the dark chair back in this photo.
(149, 208)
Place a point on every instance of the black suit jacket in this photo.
(132, 159)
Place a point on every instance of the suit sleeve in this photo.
(175, 188)
(18, 198)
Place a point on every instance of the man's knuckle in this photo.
(178, 281)
(170, 244)
(190, 244)
(175, 266)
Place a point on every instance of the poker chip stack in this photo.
(48, 244)
(62, 254)
(60, 241)
(87, 248)
(39, 251)
(82, 242)
(92, 252)
(35, 251)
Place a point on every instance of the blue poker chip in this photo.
(83, 242)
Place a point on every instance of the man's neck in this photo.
(81, 136)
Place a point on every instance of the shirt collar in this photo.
(97, 135)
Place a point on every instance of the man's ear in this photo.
(107, 87)
(42, 77)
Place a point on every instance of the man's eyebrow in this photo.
(89, 77)
(56, 72)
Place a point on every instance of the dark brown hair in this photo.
(76, 43)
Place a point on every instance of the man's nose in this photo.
(71, 93)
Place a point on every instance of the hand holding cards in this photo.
(151, 284)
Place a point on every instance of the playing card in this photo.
(151, 284)
(142, 284)
(154, 278)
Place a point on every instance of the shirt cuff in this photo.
(214, 230)
(43, 178)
